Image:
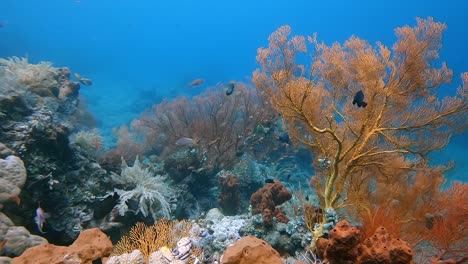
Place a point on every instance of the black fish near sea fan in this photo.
(359, 99)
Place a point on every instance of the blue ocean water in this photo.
(139, 52)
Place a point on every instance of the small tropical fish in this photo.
(269, 181)
(288, 176)
(230, 88)
(284, 138)
(40, 218)
(83, 80)
(196, 82)
(187, 142)
(324, 163)
(359, 99)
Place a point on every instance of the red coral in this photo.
(229, 197)
(342, 245)
(345, 246)
(383, 248)
(220, 124)
(266, 199)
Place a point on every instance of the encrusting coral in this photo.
(265, 200)
(229, 196)
(345, 246)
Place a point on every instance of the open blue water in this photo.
(138, 52)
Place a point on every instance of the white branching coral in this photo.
(151, 192)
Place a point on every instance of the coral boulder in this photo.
(265, 200)
(92, 244)
(346, 246)
(250, 250)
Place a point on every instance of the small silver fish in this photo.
(83, 80)
(40, 218)
(324, 163)
(187, 142)
(196, 82)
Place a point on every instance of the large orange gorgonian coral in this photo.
(391, 137)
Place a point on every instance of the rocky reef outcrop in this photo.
(39, 109)
(91, 245)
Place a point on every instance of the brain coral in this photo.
(12, 177)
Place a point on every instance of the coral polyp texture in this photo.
(346, 245)
(265, 202)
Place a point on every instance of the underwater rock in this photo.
(5, 260)
(180, 164)
(220, 232)
(214, 215)
(36, 129)
(136, 257)
(285, 238)
(91, 245)
(250, 250)
(19, 239)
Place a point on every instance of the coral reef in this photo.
(209, 120)
(36, 126)
(150, 192)
(346, 245)
(12, 177)
(218, 232)
(287, 238)
(91, 244)
(135, 257)
(17, 238)
(265, 200)
(41, 79)
(357, 147)
(229, 196)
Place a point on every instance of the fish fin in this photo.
(40, 229)
(364, 104)
(16, 199)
